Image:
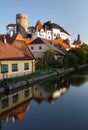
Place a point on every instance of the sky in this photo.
(69, 14)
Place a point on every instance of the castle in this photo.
(49, 30)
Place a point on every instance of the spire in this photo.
(78, 36)
(78, 39)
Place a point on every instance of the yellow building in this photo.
(15, 57)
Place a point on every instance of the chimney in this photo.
(4, 39)
(11, 33)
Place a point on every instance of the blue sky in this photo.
(70, 14)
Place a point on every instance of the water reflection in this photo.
(49, 90)
(16, 103)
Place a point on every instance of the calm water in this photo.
(57, 104)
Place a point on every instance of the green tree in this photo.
(70, 60)
(49, 59)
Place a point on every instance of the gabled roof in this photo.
(38, 40)
(16, 42)
(7, 51)
(38, 25)
(48, 43)
(49, 25)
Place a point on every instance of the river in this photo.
(58, 103)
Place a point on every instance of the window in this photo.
(14, 67)
(5, 103)
(4, 68)
(48, 37)
(26, 66)
(15, 98)
(55, 35)
(32, 48)
(40, 47)
(26, 93)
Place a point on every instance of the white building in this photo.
(40, 45)
(11, 29)
(48, 30)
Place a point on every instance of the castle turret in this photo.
(22, 24)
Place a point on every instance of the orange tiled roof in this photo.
(28, 40)
(19, 37)
(39, 25)
(61, 42)
(10, 52)
(9, 38)
(21, 115)
(18, 42)
(7, 51)
(16, 36)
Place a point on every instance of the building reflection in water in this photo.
(16, 103)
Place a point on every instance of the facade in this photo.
(49, 30)
(15, 68)
(15, 57)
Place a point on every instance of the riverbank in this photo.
(33, 80)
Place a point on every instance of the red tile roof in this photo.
(7, 51)
(18, 42)
(28, 40)
(10, 39)
(62, 42)
(39, 25)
